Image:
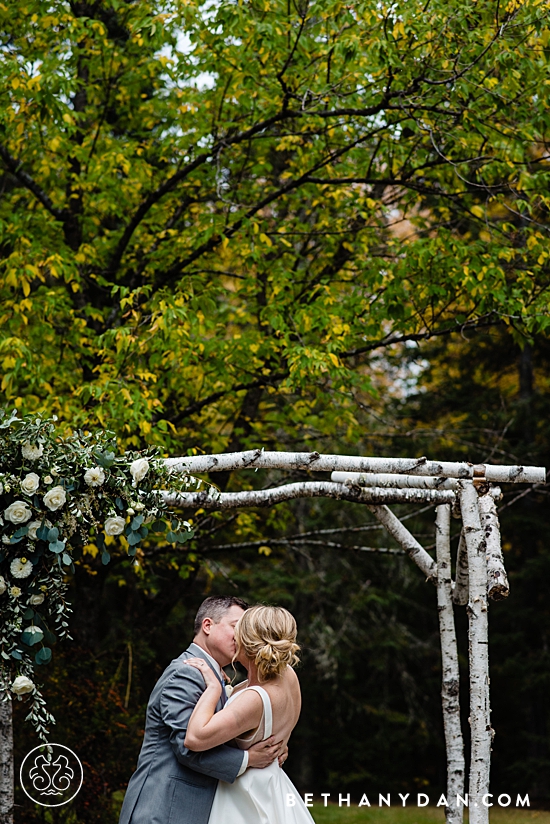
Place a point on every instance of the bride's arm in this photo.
(208, 728)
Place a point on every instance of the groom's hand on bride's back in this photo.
(265, 752)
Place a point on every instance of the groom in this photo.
(171, 784)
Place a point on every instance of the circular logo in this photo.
(51, 775)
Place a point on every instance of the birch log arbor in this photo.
(376, 482)
(480, 572)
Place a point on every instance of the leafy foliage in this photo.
(213, 214)
(97, 495)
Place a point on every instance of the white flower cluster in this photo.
(58, 494)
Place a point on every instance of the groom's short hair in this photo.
(215, 608)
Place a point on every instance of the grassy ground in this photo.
(332, 814)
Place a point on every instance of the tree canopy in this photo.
(217, 218)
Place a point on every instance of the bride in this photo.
(268, 703)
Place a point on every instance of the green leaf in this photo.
(32, 636)
(158, 526)
(57, 546)
(137, 522)
(105, 557)
(133, 538)
(43, 533)
(43, 656)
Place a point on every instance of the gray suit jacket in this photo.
(171, 784)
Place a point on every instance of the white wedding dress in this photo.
(259, 796)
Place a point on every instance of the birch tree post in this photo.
(480, 721)
(6, 763)
(449, 663)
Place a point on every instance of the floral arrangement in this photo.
(58, 495)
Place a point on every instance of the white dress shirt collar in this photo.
(217, 668)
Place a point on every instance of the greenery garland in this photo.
(57, 495)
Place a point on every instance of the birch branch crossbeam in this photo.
(258, 459)
(209, 499)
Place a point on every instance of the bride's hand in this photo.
(210, 679)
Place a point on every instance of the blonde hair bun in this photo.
(268, 637)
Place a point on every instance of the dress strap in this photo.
(268, 712)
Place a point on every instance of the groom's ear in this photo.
(207, 625)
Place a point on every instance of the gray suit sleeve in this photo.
(179, 696)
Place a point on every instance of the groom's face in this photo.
(221, 638)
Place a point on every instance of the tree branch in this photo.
(15, 167)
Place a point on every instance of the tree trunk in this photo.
(497, 580)
(6, 763)
(450, 697)
(480, 713)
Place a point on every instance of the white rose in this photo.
(6, 539)
(94, 476)
(30, 483)
(48, 480)
(32, 528)
(22, 685)
(1, 488)
(55, 498)
(21, 568)
(3, 586)
(35, 600)
(18, 512)
(32, 451)
(139, 469)
(15, 592)
(131, 511)
(139, 507)
(114, 525)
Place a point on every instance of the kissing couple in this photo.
(208, 758)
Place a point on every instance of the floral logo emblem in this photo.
(51, 775)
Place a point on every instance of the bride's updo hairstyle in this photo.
(268, 636)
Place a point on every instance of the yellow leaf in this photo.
(264, 550)
(477, 211)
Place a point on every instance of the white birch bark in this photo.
(460, 590)
(6, 763)
(385, 480)
(480, 713)
(449, 660)
(409, 543)
(307, 489)
(497, 580)
(257, 458)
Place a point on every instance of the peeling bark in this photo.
(497, 580)
(6, 763)
(449, 660)
(480, 712)
(460, 590)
